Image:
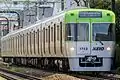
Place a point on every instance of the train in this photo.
(81, 39)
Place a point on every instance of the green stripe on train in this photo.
(72, 16)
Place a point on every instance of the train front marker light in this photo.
(108, 48)
(72, 49)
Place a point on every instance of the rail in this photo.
(17, 74)
(97, 76)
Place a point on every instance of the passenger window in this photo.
(57, 32)
(38, 40)
(27, 42)
(60, 31)
(13, 44)
(43, 34)
(23, 43)
(8, 44)
(44, 39)
(34, 40)
(61, 37)
(54, 32)
(18, 44)
(51, 33)
(30, 43)
(46, 35)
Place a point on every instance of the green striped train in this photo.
(76, 40)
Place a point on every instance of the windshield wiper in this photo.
(100, 41)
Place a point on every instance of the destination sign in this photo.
(90, 14)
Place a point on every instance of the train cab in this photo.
(90, 39)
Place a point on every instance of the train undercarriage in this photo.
(52, 63)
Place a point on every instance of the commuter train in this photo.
(76, 40)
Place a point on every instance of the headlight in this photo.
(108, 48)
(72, 49)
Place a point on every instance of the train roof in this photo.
(95, 15)
(20, 31)
(89, 9)
(50, 18)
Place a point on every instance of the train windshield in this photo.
(77, 32)
(103, 32)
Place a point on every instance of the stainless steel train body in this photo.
(85, 37)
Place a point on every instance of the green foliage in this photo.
(117, 11)
(100, 4)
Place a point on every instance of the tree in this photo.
(101, 4)
(117, 12)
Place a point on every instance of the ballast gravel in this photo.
(61, 77)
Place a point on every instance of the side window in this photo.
(34, 40)
(57, 32)
(23, 43)
(34, 37)
(27, 42)
(51, 33)
(38, 40)
(13, 44)
(60, 31)
(20, 39)
(44, 39)
(5, 45)
(8, 44)
(18, 43)
(38, 36)
(46, 35)
(54, 32)
(61, 37)
(30, 43)
(43, 34)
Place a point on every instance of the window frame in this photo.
(75, 31)
(113, 25)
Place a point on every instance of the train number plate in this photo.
(90, 58)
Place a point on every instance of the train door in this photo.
(83, 38)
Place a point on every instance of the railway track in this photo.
(103, 76)
(10, 75)
(6, 76)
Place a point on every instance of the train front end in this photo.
(90, 39)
